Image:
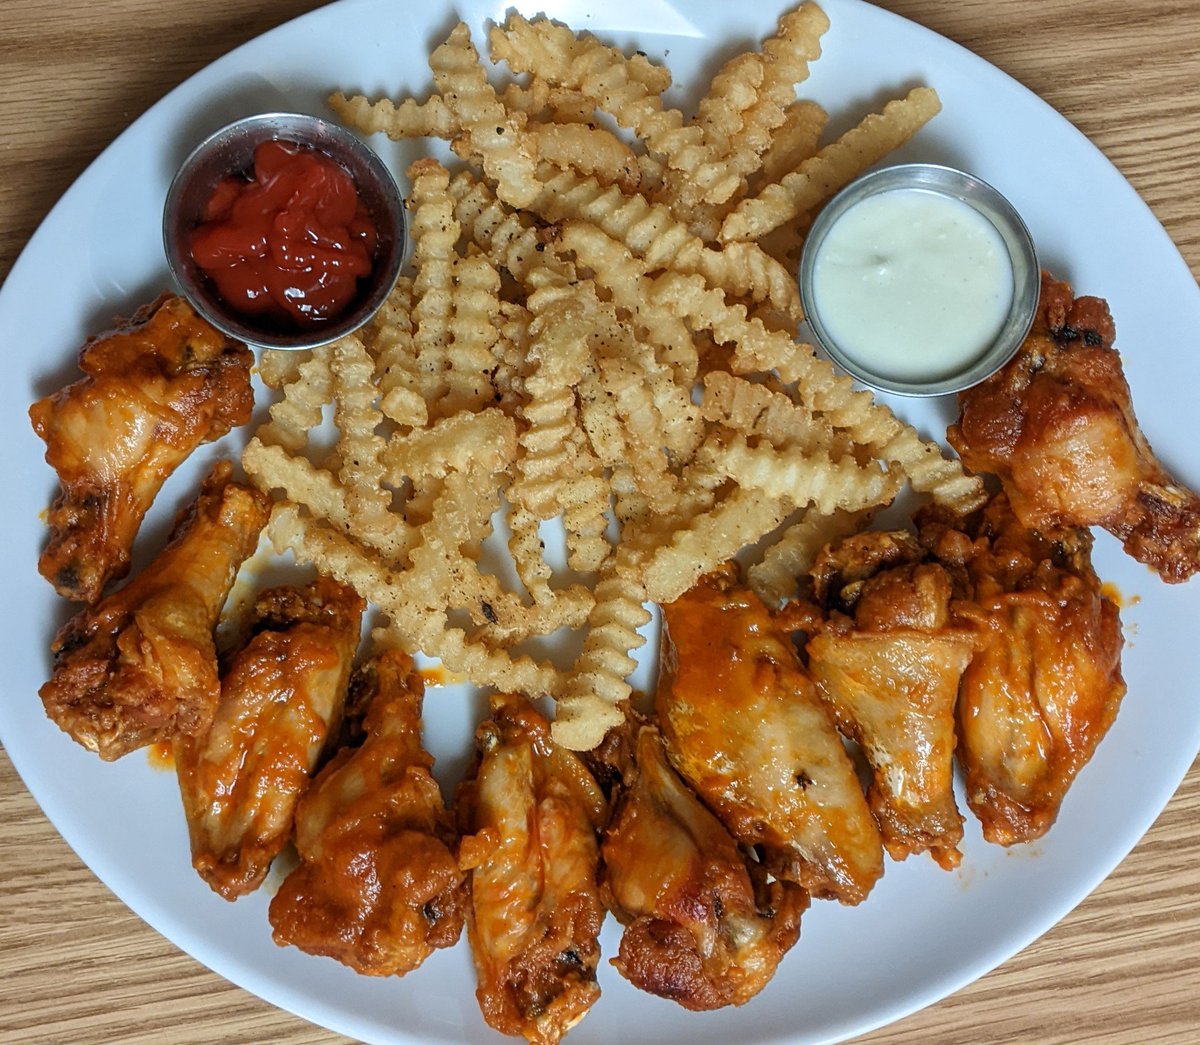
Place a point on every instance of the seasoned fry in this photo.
(774, 577)
(491, 133)
(590, 702)
(588, 150)
(434, 233)
(793, 141)
(818, 178)
(431, 118)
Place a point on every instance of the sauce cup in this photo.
(231, 151)
(999, 339)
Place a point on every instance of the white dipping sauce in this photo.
(912, 285)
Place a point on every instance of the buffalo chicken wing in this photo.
(529, 816)
(1056, 425)
(141, 667)
(377, 887)
(281, 698)
(744, 726)
(1045, 682)
(888, 662)
(703, 926)
(155, 388)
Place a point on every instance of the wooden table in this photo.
(77, 967)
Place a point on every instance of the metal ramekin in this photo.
(995, 208)
(230, 150)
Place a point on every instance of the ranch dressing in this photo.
(912, 285)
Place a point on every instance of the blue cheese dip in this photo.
(912, 285)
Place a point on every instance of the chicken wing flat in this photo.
(378, 887)
(530, 816)
(155, 388)
(703, 926)
(1057, 426)
(744, 726)
(889, 662)
(141, 666)
(1045, 684)
(281, 698)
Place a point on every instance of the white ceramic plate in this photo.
(923, 933)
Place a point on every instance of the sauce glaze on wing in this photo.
(155, 388)
(281, 699)
(705, 926)
(1045, 682)
(744, 726)
(378, 887)
(529, 815)
(1056, 425)
(141, 666)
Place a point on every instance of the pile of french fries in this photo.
(599, 334)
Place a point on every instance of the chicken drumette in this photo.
(529, 816)
(155, 389)
(888, 661)
(1057, 426)
(744, 726)
(377, 887)
(703, 925)
(1045, 683)
(141, 667)
(281, 698)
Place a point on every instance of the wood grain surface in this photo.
(77, 967)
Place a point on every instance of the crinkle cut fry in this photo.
(360, 448)
(793, 142)
(506, 236)
(652, 233)
(270, 466)
(486, 440)
(592, 151)
(761, 412)
(304, 399)
(559, 471)
(563, 57)
(747, 101)
(704, 541)
(463, 507)
(759, 350)
(470, 353)
(279, 366)
(820, 176)
(828, 482)
(431, 118)
(390, 338)
(507, 155)
(774, 576)
(435, 235)
(618, 85)
(613, 82)
(624, 277)
(596, 687)
(413, 626)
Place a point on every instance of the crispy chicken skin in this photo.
(155, 388)
(888, 662)
(281, 698)
(529, 816)
(1056, 425)
(378, 887)
(703, 926)
(1045, 684)
(744, 726)
(141, 666)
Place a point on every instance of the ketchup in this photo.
(290, 243)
